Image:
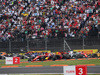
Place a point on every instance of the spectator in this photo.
(23, 19)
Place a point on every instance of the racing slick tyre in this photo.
(42, 58)
(30, 59)
(54, 58)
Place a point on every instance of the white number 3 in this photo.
(80, 71)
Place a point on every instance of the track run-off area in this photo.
(40, 69)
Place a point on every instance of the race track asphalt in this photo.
(47, 69)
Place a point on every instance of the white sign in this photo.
(75, 70)
(69, 70)
(9, 60)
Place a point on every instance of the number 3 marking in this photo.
(80, 71)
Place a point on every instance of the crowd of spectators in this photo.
(30, 19)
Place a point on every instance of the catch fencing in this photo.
(54, 44)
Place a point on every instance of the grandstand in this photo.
(43, 24)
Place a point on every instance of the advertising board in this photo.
(87, 51)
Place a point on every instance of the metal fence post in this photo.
(64, 44)
(27, 45)
(83, 42)
(45, 43)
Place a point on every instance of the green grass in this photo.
(48, 63)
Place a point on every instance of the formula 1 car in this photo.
(77, 54)
(2, 55)
(51, 56)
